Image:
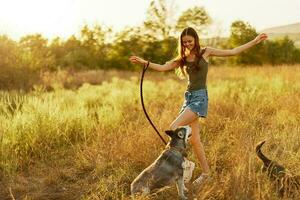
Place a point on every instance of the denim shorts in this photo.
(196, 101)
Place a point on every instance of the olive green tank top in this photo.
(196, 77)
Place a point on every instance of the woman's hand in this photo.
(261, 37)
(137, 60)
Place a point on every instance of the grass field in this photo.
(91, 139)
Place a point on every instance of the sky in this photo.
(63, 18)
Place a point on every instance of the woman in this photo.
(193, 61)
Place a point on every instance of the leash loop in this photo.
(142, 101)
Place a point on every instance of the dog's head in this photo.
(180, 136)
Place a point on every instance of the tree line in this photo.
(98, 47)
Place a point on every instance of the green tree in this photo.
(88, 51)
(130, 41)
(73, 55)
(35, 52)
(281, 51)
(297, 55)
(161, 51)
(9, 52)
(161, 23)
(159, 20)
(195, 17)
(287, 50)
(57, 50)
(93, 42)
(242, 33)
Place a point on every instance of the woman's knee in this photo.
(194, 124)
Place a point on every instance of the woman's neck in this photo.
(190, 53)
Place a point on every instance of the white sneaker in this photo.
(188, 169)
(201, 179)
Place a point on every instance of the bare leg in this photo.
(198, 146)
(185, 118)
(188, 117)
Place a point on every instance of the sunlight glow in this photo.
(32, 16)
(65, 17)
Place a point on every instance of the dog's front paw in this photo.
(183, 197)
(185, 189)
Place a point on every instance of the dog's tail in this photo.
(266, 160)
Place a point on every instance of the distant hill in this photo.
(291, 30)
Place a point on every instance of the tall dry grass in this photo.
(91, 141)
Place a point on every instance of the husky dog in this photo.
(167, 168)
(287, 185)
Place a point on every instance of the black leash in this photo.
(142, 100)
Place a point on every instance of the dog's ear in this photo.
(169, 132)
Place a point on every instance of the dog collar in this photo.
(180, 150)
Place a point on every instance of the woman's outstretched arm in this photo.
(232, 52)
(161, 68)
